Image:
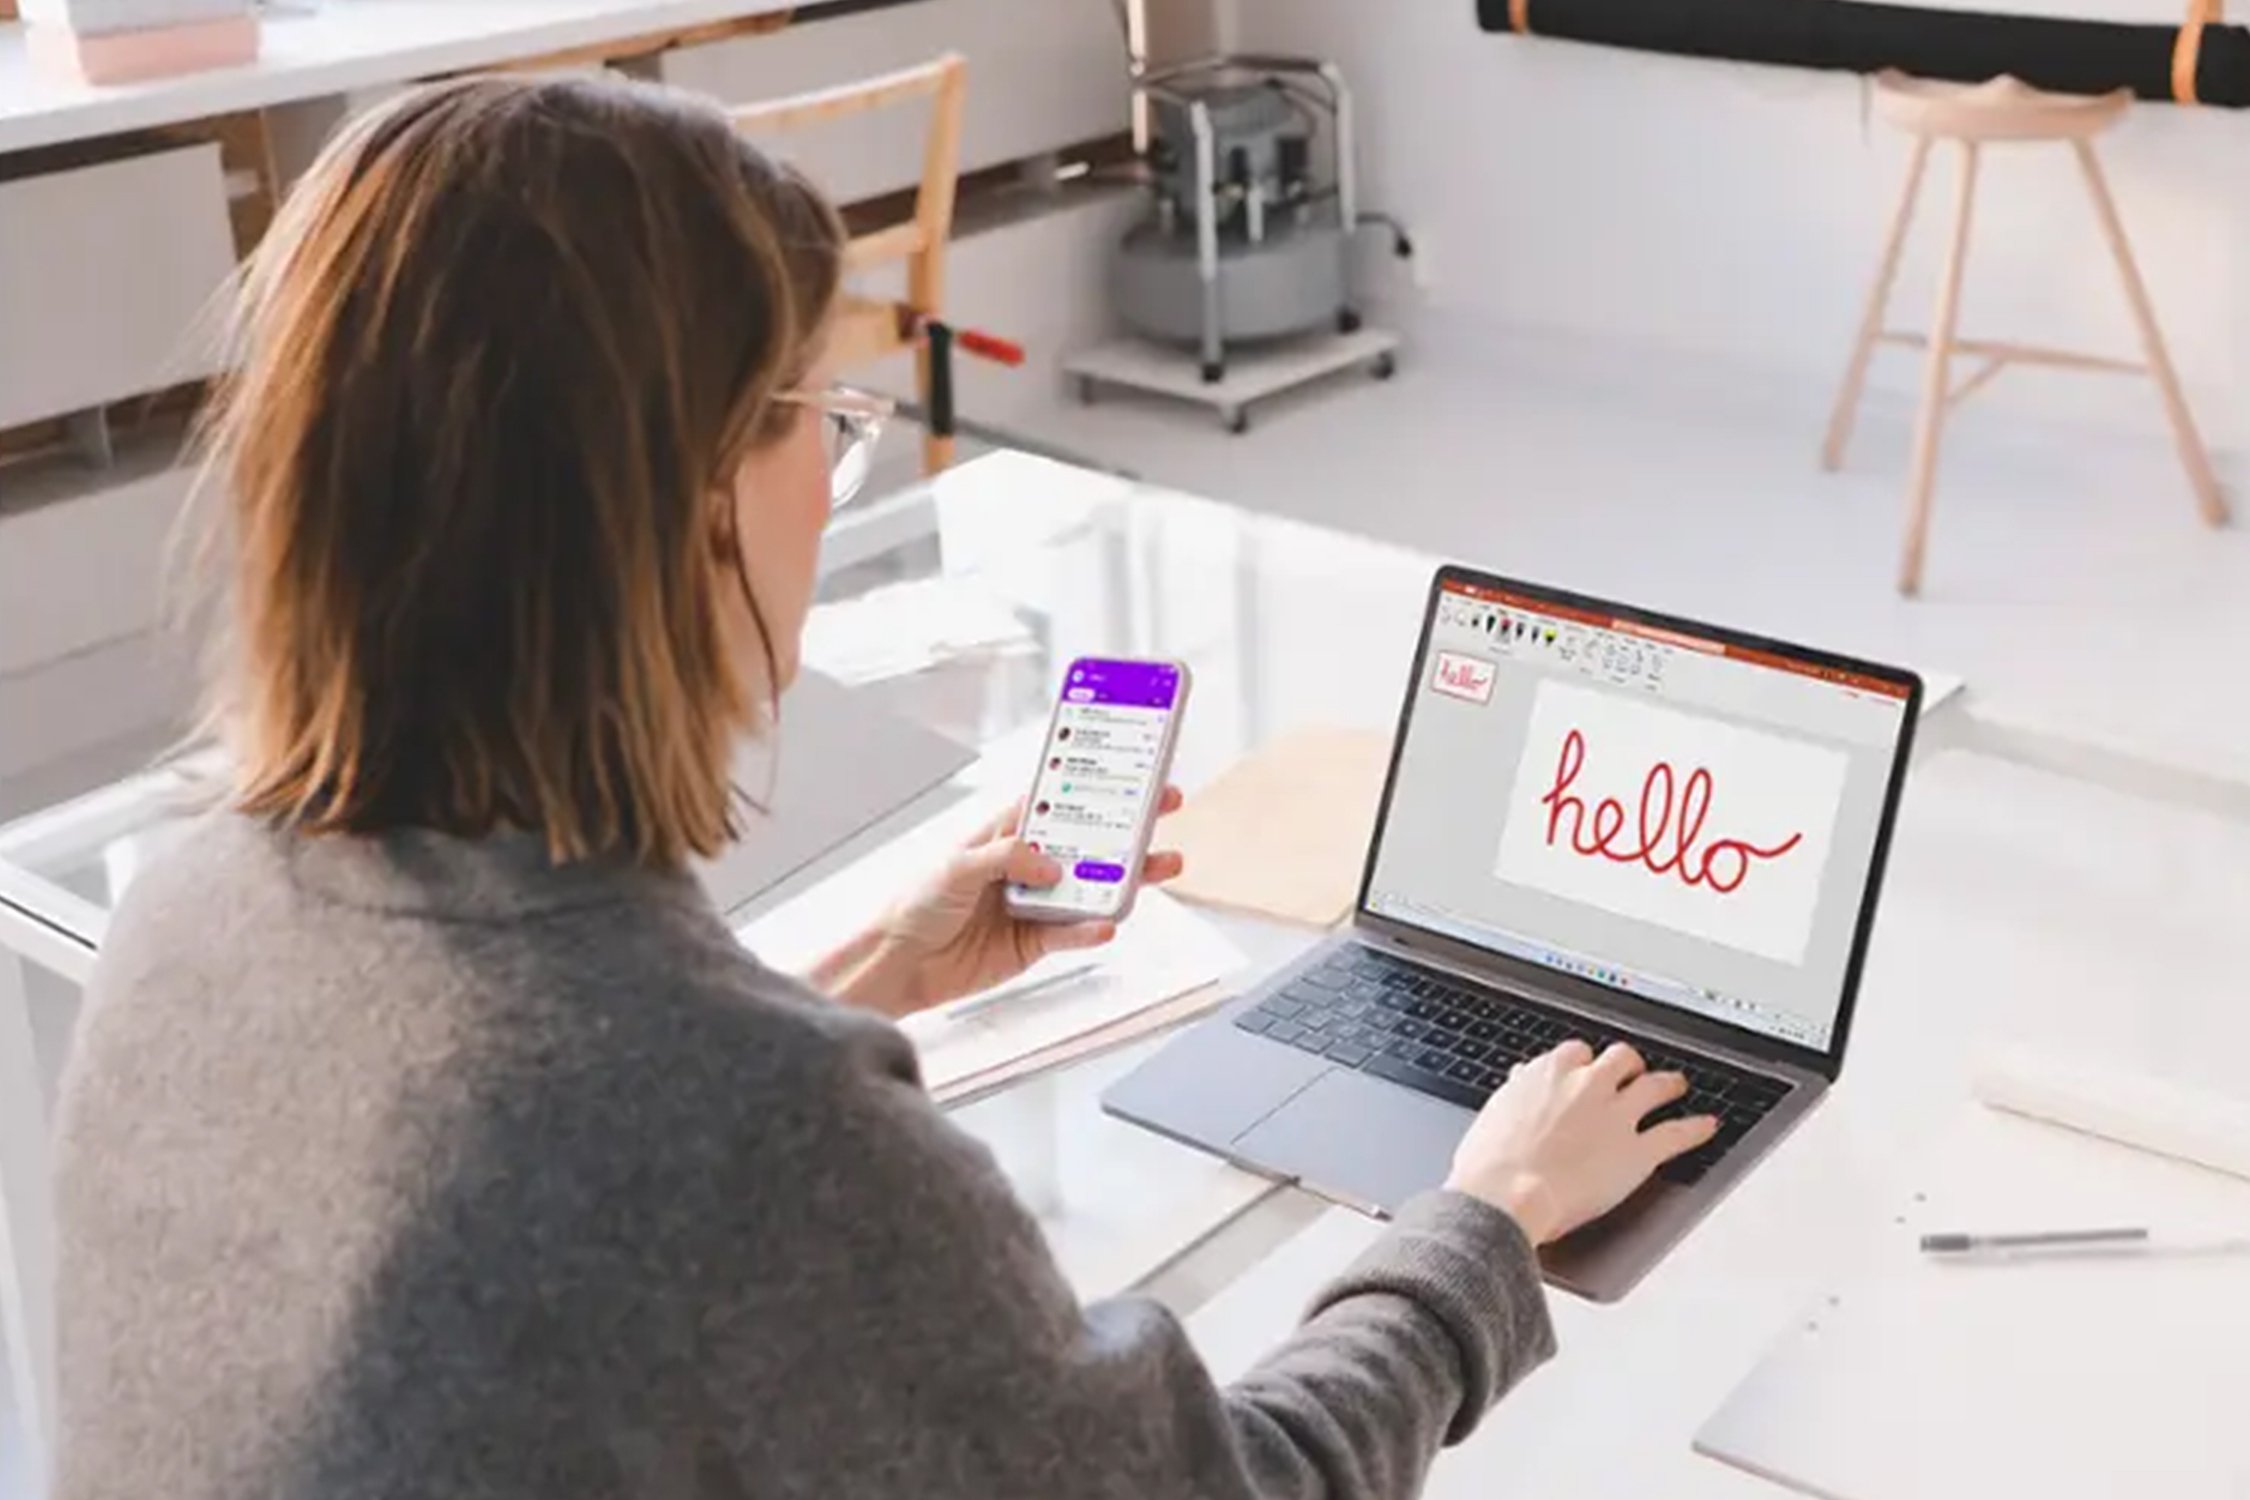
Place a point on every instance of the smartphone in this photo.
(1100, 780)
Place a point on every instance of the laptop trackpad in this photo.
(1213, 1084)
(1361, 1139)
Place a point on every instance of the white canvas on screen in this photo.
(1701, 826)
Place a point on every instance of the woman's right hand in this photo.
(1561, 1143)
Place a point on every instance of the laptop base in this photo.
(1372, 1145)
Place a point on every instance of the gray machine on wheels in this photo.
(1247, 246)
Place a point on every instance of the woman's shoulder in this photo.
(468, 938)
(604, 1040)
(191, 884)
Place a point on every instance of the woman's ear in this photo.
(726, 545)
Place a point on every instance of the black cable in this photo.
(1401, 246)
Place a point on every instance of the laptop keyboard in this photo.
(1456, 1041)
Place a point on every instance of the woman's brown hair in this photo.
(499, 358)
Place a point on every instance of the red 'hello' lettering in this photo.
(1670, 821)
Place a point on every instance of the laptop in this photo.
(1599, 822)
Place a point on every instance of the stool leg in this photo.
(1871, 321)
(937, 455)
(2193, 456)
(1936, 377)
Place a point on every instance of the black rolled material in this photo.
(2067, 57)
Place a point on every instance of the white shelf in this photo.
(341, 46)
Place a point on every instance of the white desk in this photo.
(341, 46)
(2018, 904)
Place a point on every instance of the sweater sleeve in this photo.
(966, 1367)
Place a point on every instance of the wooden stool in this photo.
(2004, 109)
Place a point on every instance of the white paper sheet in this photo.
(909, 627)
(2083, 1377)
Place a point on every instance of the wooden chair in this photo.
(869, 328)
(2001, 110)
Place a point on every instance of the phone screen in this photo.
(1102, 766)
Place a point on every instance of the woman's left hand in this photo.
(957, 937)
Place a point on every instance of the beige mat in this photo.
(1283, 833)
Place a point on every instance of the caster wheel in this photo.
(1085, 390)
(1238, 421)
(1386, 365)
(1213, 372)
(1347, 320)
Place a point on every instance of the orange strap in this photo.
(2187, 49)
(1519, 17)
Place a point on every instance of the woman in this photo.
(428, 1133)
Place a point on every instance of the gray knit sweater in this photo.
(415, 1167)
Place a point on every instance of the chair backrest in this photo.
(920, 241)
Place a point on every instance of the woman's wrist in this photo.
(1523, 1197)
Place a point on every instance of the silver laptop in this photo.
(1600, 823)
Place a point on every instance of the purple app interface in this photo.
(1096, 777)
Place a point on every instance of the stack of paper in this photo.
(118, 41)
(1163, 952)
(910, 627)
(99, 17)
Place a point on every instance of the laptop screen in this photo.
(1689, 820)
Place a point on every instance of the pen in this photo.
(2066, 1244)
(2049, 1239)
(1008, 994)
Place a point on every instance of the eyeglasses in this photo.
(851, 422)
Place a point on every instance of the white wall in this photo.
(1040, 76)
(1732, 214)
(1179, 29)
